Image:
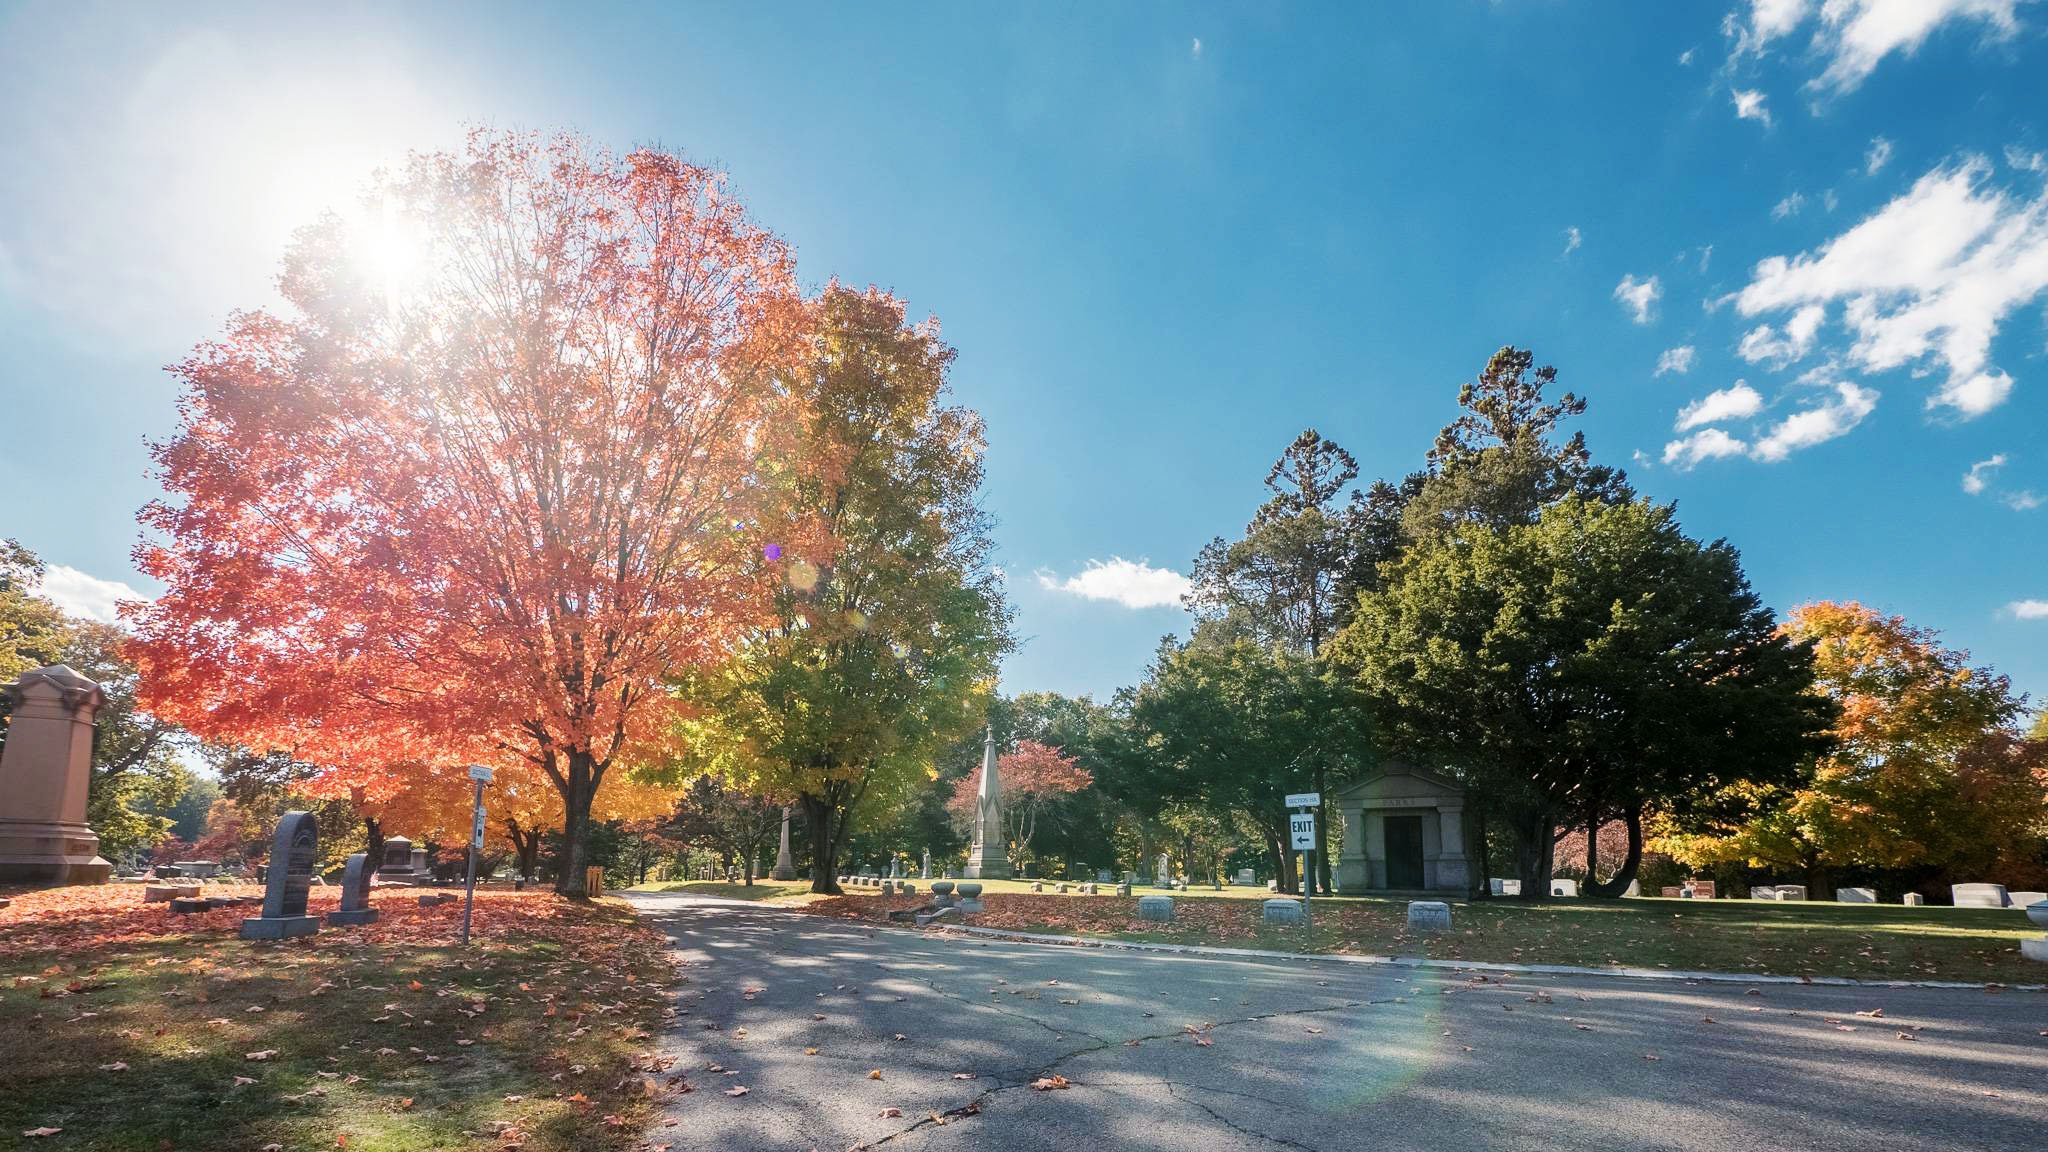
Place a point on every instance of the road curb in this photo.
(1412, 962)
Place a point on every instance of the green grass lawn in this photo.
(179, 1036)
(1742, 936)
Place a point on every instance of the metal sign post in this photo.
(1302, 835)
(482, 776)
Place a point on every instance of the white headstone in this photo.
(1979, 895)
(1429, 915)
(1855, 895)
(1562, 887)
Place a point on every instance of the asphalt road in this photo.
(1195, 1053)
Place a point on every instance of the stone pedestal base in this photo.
(2035, 948)
(988, 863)
(361, 916)
(40, 852)
(278, 927)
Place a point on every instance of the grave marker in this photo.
(290, 875)
(355, 893)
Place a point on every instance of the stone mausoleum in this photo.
(1405, 830)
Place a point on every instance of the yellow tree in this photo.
(1928, 773)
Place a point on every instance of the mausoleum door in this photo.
(1404, 852)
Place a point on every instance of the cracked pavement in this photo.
(1190, 1052)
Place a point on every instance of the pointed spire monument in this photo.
(989, 859)
(785, 868)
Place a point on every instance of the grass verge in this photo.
(1878, 942)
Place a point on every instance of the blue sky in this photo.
(1797, 259)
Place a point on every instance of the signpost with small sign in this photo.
(1301, 827)
(482, 775)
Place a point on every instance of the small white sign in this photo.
(480, 773)
(1304, 799)
(1303, 825)
(476, 831)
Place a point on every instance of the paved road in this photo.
(1175, 1052)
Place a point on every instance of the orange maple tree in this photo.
(490, 474)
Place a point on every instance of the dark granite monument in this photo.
(289, 875)
(355, 893)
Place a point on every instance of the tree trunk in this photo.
(1535, 845)
(1482, 888)
(1633, 818)
(1323, 876)
(824, 847)
(526, 848)
(373, 840)
(576, 798)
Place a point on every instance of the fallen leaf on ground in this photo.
(265, 1054)
(736, 1090)
(963, 1075)
(874, 1073)
(41, 1131)
(1049, 1083)
(890, 1113)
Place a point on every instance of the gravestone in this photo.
(1037, 886)
(1162, 872)
(1763, 892)
(1062, 889)
(397, 867)
(1913, 899)
(970, 897)
(203, 869)
(1104, 876)
(1124, 888)
(1283, 912)
(1979, 895)
(1158, 908)
(942, 894)
(1429, 915)
(926, 872)
(45, 772)
(291, 873)
(1562, 887)
(355, 893)
(2025, 899)
(1703, 889)
(1791, 892)
(1246, 877)
(1635, 888)
(1855, 895)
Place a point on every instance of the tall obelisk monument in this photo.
(989, 859)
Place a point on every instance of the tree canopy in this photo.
(884, 636)
(474, 505)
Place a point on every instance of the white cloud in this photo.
(1705, 444)
(1572, 240)
(1737, 402)
(1856, 35)
(1929, 276)
(1789, 206)
(1749, 105)
(1879, 155)
(1131, 583)
(1195, 50)
(1819, 424)
(83, 595)
(1706, 257)
(2025, 500)
(1764, 342)
(2029, 609)
(1979, 474)
(1677, 360)
(1639, 296)
(1685, 58)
